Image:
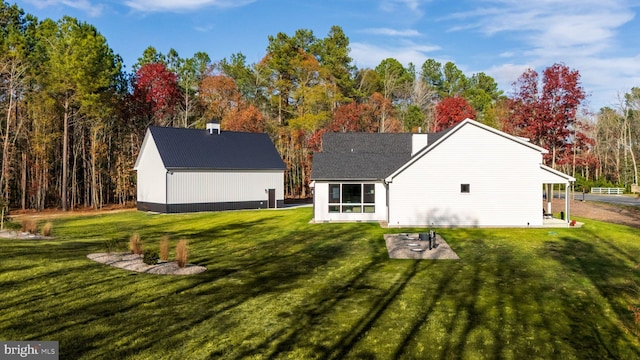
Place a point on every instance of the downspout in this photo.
(388, 211)
(166, 191)
(313, 195)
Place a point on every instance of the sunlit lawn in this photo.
(279, 287)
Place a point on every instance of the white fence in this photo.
(609, 191)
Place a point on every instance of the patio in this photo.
(409, 246)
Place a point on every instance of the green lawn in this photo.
(279, 287)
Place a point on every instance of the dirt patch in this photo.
(616, 214)
(56, 213)
(134, 262)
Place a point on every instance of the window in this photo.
(464, 188)
(352, 198)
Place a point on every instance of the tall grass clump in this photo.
(182, 253)
(135, 244)
(29, 225)
(164, 248)
(47, 228)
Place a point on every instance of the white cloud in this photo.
(583, 34)
(182, 5)
(506, 74)
(369, 56)
(93, 10)
(391, 32)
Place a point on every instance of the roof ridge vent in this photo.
(213, 127)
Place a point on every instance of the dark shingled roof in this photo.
(197, 149)
(364, 156)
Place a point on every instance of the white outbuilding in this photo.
(187, 170)
(470, 175)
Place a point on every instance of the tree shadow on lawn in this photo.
(609, 270)
(493, 304)
(330, 291)
(166, 307)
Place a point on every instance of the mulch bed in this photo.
(133, 262)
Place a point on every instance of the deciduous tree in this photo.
(156, 94)
(545, 111)
(450, 111)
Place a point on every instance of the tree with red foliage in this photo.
(451, 111)
(156, 93)
(547, 115)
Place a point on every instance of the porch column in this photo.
(566, 200)
(549, 198)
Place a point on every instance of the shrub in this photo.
(164, 248)
(135, 244)
(47, 228)
(112, 245)
(182, 253)
(29, 225)
(150, 257)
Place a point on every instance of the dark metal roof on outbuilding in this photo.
(182, 148)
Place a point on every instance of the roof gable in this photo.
(443, 135)
(182, 148)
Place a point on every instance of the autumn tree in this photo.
(246, 119)
(450, 111)
(219, 96)
(546, 110)
(156, 94)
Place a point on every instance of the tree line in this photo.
(72, 119)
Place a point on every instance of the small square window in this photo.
(464, 188)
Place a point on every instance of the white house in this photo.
(468, 175)
(187, 170)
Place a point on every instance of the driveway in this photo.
(631, 200)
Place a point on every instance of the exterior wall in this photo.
(321, 203)
(228, 189)
(151, 177)
(503, 175)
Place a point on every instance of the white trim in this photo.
(567, 178)
(453, 130)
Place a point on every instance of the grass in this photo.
(279, 287)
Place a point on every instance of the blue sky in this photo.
(502, 38)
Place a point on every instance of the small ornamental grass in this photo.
(135, 244)
(182, 253)
(164, 248)
(46, 229)
(29, 225)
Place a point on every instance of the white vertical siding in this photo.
(191, 187)
(151, 173)
(321, 204)
(503, 176)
